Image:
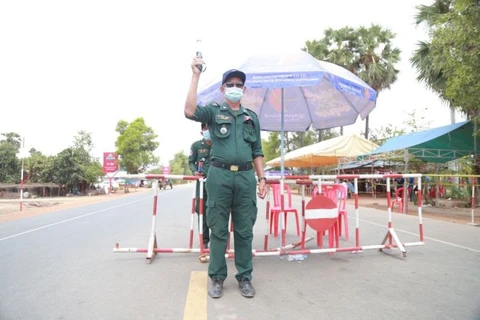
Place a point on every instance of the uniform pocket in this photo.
(211, 216)
(223, 128)
(254, 211)
(249, 133)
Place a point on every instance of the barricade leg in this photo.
(152, 243)
(419, 208)
(230, 230)
(357, 214)
(267, 218)
(200, 218)
(281, 216)
(391, 239)
(192, 219)
(304, 222)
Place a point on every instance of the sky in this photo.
(67, 66)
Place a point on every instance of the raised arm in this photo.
(191, 102)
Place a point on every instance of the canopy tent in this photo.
(437, 145)
(326, 152)
(366, 164)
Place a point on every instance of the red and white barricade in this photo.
(313, 214)
(391, 239)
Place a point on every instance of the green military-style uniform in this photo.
(231, 184)
(200, 152)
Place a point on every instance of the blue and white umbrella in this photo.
(291, 92)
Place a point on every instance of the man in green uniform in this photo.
(231, 183)
(199, 163)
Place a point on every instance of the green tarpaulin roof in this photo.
(437, 145)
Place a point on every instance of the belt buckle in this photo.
(233, 168)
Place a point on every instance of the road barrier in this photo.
(390, 240)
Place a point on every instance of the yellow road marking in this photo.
(196, 305)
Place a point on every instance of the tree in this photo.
(36, 167)
(13, 138)
(327, 134)
(83, 140)
(74, 167)
(179, 164)
(456, 50)
(412, 124)
(293, 140)
(366, 52)
(9, 163)
(135, 145)
(428, 72)
(271, 146)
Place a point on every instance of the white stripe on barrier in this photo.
(321, 213)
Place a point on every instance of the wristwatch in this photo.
(262, 178)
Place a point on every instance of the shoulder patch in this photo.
(251, 112)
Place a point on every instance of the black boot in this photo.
(216, 289)
(246, 288)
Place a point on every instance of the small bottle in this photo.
(200, 166)
(296, 257)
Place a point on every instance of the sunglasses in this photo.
(232, 84)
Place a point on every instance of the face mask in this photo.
(206, 135)
(233, 94)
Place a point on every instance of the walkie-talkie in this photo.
(200, 67)
(200, 164)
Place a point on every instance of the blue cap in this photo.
(233, 73)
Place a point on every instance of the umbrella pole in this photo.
(282, 169)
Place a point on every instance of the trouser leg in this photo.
(244, 215)
(220, 193)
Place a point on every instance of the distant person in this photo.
(199, 163)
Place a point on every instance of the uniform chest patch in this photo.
(223, 117)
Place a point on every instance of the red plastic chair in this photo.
(275, 209)
(331, 192)
(398, 200)
(433, 192)
(342, 194)
(315, 192)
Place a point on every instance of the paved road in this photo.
(61, 266)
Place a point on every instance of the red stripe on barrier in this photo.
(191, 178)
(304, 182)
(267, 219)
(155, 205)
(190, 244)
(273, 181)
(297, 177)
(348, 176)
(419, 198)
(393, 176)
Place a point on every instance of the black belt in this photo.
(232, 167)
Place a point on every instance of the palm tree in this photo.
(376, 60)
(422, 60)
(366, 52)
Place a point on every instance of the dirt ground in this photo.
(10, 210)
(449, 210)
